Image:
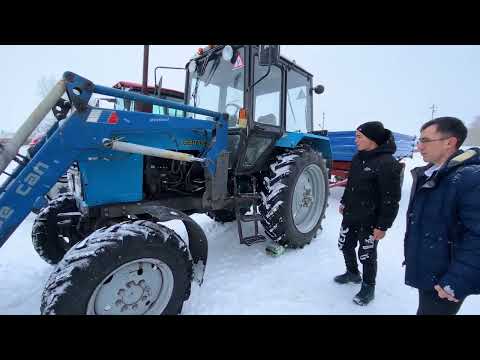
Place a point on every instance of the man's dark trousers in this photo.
(350, 236)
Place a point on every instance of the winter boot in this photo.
(365, 295)
(274, 249)
(348, 277)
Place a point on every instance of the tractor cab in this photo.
(264, 94)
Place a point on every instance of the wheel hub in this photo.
(308, 198)
(142, 286)
(133, 295)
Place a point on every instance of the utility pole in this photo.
(434, 108)
(323, 121)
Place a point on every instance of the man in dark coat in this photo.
(369, 205)
(442, 239)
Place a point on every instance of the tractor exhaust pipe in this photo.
(144, 107)
(9, 151)
(145, 70)
(148, 150)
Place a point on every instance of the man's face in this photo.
(436, 151)
(364, 143)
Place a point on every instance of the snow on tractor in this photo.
(240, 148)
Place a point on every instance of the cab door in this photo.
(266, 114)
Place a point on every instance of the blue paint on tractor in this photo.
(291, 140)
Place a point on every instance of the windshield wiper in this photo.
(195, 91)
(212, 72)
(200, 73)
(291, 107)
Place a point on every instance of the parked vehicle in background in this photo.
(344, 148)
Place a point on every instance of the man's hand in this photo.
(442, 294)
(340, 209)
(378, 234)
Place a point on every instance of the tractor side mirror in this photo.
(319, 89)
(269, 55)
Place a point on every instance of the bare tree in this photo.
(44, 85)
(473, 137)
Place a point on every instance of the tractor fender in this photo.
(197, 240)
(321, 144)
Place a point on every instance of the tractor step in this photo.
(251, 218)
(255, 217)
(250, 196)
(250, 240)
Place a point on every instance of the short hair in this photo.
(449, 126)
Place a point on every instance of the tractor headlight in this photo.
(192, 66)
(227, 53)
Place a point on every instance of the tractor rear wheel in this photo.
(139, 268)
(294, 194)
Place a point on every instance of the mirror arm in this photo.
(263, 77)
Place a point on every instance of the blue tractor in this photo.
(240, 148)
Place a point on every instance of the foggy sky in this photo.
(393, 84)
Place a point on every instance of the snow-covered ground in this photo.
(243, 280)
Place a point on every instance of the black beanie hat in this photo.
(374, 130)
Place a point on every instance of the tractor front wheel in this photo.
(139, 268)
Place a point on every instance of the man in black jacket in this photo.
(369, 205)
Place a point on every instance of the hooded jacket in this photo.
(442, 239)
(373, 188)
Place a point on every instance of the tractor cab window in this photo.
(124, 105)
(218, 85)
(162, 110)
(129, 105)
(299, 100)
(267, 95)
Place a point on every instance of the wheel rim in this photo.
(139, 287)
(308, 198)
